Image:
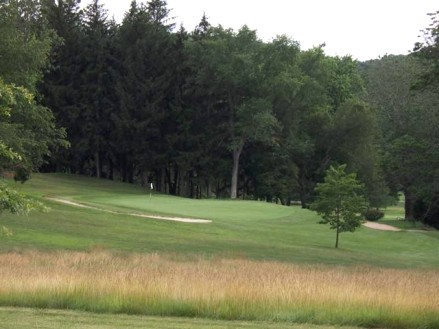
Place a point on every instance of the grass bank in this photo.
(221, 289)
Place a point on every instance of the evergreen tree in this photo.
(145, 77)
(62, 82)
(97, 91)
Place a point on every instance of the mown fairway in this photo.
(254, 261)
(55, 319)
(240, 229)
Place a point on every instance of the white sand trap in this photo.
(175, 219)
(382, 227)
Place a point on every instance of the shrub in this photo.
(22, 174)
(373, 214)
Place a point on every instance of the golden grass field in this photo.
(220, 288)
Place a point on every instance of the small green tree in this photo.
(340, 201)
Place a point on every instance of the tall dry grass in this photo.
(221, 288)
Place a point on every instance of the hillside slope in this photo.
(239, 229)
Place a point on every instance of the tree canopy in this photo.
(28, 132)
(407, 118)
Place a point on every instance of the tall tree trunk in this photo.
(217, 189)
(111, 170)
(337, 230)
(304, 191)
(123, 168)
(336, 237)
(234, 187)
(176, 178)
(337, 212)
(208, 188)
(192, 193)
(131, 173)
(172, 177)
(98, 164)
(163, 180)
(408, 205)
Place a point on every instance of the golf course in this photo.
(163, 172)
(111, 255)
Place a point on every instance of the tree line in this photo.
(211, 112)
(214, 112)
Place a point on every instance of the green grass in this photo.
(395, 212)
(25, 318)
(394, 216)
(405, 224)
(240, 229)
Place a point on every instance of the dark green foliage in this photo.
(214, 112)
(144, 103)
(16, 202)
(427, 204)
(431, 217)
(61, 83)
(26, 127)
(25, 42)
(428, 52)
(149, 94)
(407, 120)
(373, 214)
(181, 109)
(97, 89)
(21, 174)
(28, 133)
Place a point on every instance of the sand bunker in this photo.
(175, 219)
(382, 227)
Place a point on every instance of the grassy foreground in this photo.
(221, 289)
(60, 319)
(258, 262)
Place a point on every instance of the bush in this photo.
(22, 174)
(373, 214)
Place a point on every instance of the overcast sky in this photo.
(363, 29)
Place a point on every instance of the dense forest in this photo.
(212, 112)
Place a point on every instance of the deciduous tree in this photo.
(340, 201)
(407, 120)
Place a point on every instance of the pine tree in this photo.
(62, 82)
(97, 90)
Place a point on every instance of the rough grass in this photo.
(221, 289)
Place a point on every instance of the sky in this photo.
(363, 29)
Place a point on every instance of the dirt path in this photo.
(175, 219)
(382, 227)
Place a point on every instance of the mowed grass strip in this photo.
(221, 289)
(25, 318)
